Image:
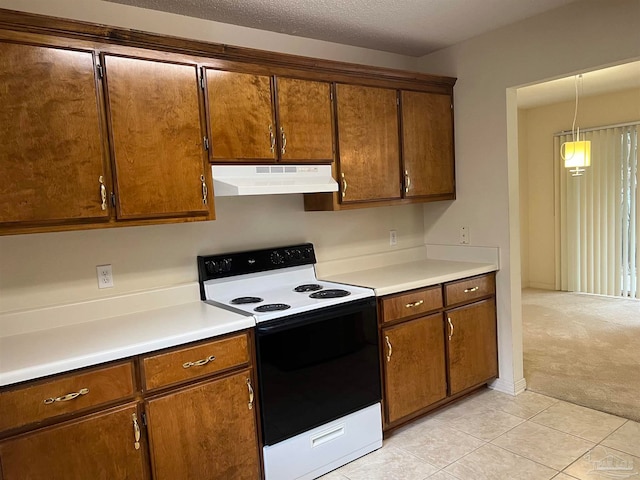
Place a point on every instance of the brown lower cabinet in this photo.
(97, 447)
(414, 366)
(437, 344)
(123, 421)
(473, 355)
(205, 431)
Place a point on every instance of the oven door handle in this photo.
(314, 316)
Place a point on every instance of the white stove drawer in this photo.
(325, 448)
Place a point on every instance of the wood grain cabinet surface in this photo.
(261, 118)
(414, 366)
(189, 363)
(472, 348)
(205, 431)
(369, 151)
(157, 141)
(98, 423)
(427, 145)
(429, 361)
(66, 394)
(101, 446)
(412, 304)
(52, 156)
(105, 127)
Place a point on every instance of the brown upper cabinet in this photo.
(104, 127)
(53, 164)
(156, 138)
(427, 144)
(394, 147)
(368, 147)
(258, 118)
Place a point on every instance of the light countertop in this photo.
(407, 269)
(407, 276)
(45, 352)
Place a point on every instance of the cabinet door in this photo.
(241, 121)
(427, 143)
(368, 143)
(154, 113)
(99, 447)
(51, 149)
(205, 431)
(414, 366)
(304, 125)
(473, 351)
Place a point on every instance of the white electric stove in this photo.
(317, 356)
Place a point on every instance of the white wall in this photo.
(536, 144)
(54, 268)
(488, 67)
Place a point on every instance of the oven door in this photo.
(316, 367)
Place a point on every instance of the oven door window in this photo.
(316, 367)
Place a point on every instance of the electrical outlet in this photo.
(393, 237)
(105, 276)
(464, 235)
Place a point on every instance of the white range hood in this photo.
(234, 180)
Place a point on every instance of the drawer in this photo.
(65, 394)
(183, 364)
(470, 289)
(411, 304)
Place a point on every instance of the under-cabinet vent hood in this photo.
(233, 180)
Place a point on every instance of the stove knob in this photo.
(211, 266)
(308, 252)
(297, 254)
(226, 265)
(277, 258)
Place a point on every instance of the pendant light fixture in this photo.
(576, 154)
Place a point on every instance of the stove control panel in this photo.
(240, 263)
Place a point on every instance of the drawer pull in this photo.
(472, 289)
(136, 432)
(250, 404)
(389, 348)
(450, 327)
(67, 397)
(199, 363)
(414, 304)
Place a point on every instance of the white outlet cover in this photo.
(105, 276)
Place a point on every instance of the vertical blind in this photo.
(597, 216)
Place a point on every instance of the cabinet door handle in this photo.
(407, 181)
(389, 348)
(205, 190)
(284, 140)
(450, 327)
(472, 289)
(67, 397)
(344, 186)
(103, 193)
(250, 404)
(136, 432)
(414, 304)
(272, 138)
(199, 363)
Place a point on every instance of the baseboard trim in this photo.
(542, 286)
(508, 387)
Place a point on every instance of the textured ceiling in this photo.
(408, 27)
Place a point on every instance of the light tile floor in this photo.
(494, 436)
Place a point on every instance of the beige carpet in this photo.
(584, 349)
